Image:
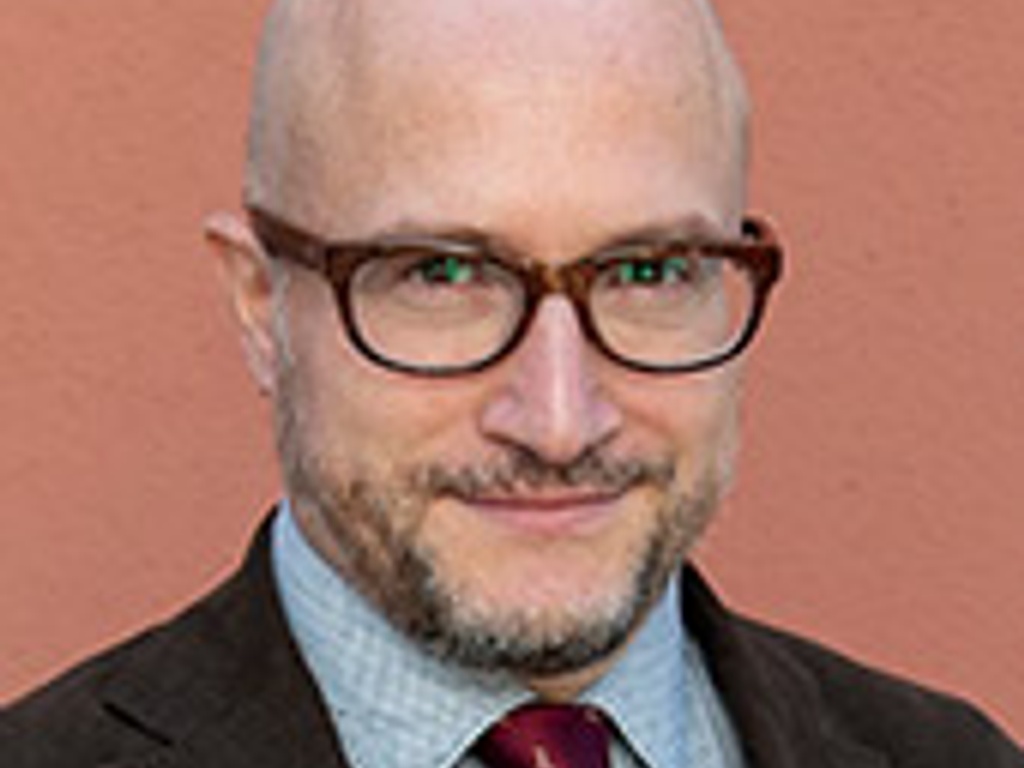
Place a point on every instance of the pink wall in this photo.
(884, 468)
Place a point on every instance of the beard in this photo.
(370, 530)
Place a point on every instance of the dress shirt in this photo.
(395, 706)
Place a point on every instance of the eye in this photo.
(426, 277)
(443, 270)
(652, 272)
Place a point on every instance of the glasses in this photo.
(446, 306)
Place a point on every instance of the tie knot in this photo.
(547, 736)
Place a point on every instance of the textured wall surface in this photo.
(879, 502)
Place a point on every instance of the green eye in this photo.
(653, 271)
(449, 270)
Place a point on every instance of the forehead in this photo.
(526, 36)
(499, 114)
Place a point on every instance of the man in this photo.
(496, 279)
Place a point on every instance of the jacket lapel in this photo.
(224, 685)
(775, 703)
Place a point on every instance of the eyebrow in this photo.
(694, 227)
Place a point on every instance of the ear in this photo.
(246, 276)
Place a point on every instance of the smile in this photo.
(549, 514)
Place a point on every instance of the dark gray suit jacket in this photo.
(223, 686)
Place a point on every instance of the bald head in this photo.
(350, 93)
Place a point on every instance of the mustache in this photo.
(520, 470)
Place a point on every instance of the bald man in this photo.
(496, 278)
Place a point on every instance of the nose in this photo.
(551, 403)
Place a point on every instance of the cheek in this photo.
(367, 418)
(695, 418)
(404, 421)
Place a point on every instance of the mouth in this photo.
(550, 514)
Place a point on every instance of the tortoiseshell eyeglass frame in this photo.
(757, 253)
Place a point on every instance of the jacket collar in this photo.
(224, 685)
(775, 703)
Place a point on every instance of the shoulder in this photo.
(795, 702)
(68, 721)
(855, 704)
(228, 654)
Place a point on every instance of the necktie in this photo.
(547, 736)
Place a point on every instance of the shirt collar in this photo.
(398, 707)
(644, 693)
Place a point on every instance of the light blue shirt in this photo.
(395, 706)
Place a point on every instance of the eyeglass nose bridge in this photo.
(573, 281)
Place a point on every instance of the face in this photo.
(523, 518)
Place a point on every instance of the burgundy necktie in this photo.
(547, 736)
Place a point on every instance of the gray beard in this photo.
(374, 545)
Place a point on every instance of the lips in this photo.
(548, 513)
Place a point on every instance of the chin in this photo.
(535, 616)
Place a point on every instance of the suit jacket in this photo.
(223, 686)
